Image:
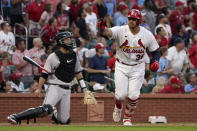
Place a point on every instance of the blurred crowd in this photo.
(28, 28)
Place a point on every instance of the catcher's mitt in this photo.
(89, 98)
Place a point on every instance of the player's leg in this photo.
(121, 92)
(63, 108)
(51, 98)
(135, 83)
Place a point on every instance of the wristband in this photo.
(82, 83)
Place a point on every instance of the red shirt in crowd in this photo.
(175, 19)
(170, 89)
(195, 21)
(111, 63)
(188, 11)
(163, 42)
(48, 34)
(193, 55)
(74, 9)
(62, 20)
(35, 11)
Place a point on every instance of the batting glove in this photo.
(101, 25)
(154, 66)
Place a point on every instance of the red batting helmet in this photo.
(134, 13)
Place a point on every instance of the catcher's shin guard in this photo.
(40, 111)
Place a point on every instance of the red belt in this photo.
(126, 63)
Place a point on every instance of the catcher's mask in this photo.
(65, 40)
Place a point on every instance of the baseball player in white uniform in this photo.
(132, 42)
(62, 66)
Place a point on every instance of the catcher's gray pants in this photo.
(60, 98)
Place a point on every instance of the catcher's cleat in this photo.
(54, 119)
(117, 114)
(13, 120)
(127, 122)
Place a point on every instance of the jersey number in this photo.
(138, 57)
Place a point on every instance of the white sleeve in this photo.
(153, 45)
(48, 65)
(186, 61)
(115, 31)
(170, 54)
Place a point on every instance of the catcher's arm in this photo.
(82, 84)
(88, 97)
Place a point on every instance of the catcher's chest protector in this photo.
(66, 70)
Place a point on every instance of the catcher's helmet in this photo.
(134, 13)
(63, 35)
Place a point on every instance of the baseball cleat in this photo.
(12, 119)
(117, 114)
(127, 122)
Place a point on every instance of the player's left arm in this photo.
(79, 76)
(153, 48)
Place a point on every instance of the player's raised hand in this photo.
(101, 25)
(154, 66)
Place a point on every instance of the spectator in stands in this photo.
(74, 8)
(36, 52)
(7, 38)
(91, 19)
(6, 67)
(33, 14)
(81, 24)
(167, 12)
(16, 84)
(194, 18)
(192, 83)
(111, 6)
(163, 22)
(174, 86)
(181, 33)
(146, 86)
(150, 15)
(97, 66)
(161, 83)
(16, 13)
(63, 17)
(160, 37)
(117, 13)
(122, 19)
(193, 55)
(189, 10)
(144, 23)
(46, 15)
(80, 50)
(160, 4)
(177, 16)
(49, 32)
(5, 8)
(178, 57)
(165, 67)
(101, 8)
(8, 88)
(22, 66)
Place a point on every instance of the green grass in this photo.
(98, 128)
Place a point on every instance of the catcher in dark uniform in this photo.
(63, 66)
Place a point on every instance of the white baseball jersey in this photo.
(131, 48)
